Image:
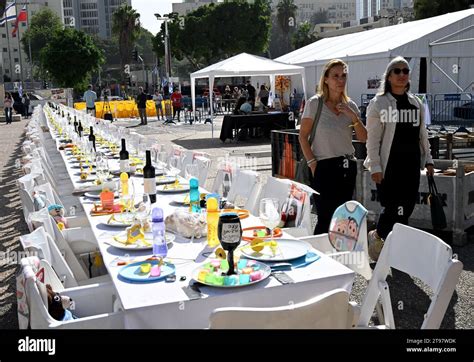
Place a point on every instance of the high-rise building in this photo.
(370, 8)
(14, 63)
(92, 16)
(187, 6)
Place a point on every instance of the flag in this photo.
(22, 17)
(9, 14)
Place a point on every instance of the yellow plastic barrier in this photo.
(121, 109)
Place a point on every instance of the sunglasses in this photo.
(397, 71)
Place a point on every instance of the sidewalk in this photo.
(12, 223)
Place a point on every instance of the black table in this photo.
(232, 124)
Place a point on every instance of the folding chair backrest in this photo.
(330, 310)
(224, 168)
(204, 164)
(242, 185)
(421, 255)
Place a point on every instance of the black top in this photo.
(407, 133)
(141, 100)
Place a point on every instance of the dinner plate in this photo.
(217, 276)
(165, 180)
(121, 220)
(133, 272)
(96, 194)
(181, 199)
(286, 249)
(147, 245)
(170, 189)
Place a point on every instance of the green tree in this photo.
(70, 57)
(43, 25)
(303, 35)
(217, 31)
(429, 8)
(126, 27)
(286, 18)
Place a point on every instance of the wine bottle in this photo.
(149, 178)
(124, 160)
(92, 137)
(80, 129)
(75, 124)
(68, 119)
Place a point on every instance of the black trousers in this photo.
(398, 192)
(335, 180)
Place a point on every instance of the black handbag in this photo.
(303, 173)
(438, 217)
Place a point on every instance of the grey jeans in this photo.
(142, 113)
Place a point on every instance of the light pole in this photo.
(167, 48)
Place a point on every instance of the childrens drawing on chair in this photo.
(345, 227)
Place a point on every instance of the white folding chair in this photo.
(204, 164)
(331, 310)
(245, 186)
(421, 255)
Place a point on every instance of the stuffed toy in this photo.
(39, 200)
(57, 212)
(58, 305)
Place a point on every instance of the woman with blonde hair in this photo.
(330, 155)
(397, 148)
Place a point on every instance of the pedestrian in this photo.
(397, 148)
(90, 97)
(8, 106)
(251, 91)
(331, 154)
(26, 105)
(142, 97)
(158, 99)
(263, 95)
(227, 98)
(176, 99)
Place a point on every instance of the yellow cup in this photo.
(145, 268)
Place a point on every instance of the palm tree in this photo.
(126, 27)
(286, 17)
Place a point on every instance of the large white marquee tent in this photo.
(440, 51)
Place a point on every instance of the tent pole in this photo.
(211, 90)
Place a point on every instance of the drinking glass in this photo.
(173, 167)
(229, 231)
(270, 213)
(102, 167)
(141, 207)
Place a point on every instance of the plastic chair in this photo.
(224, 168)
(421, 255)
(331, 310)
(245, 185)
(204, 164)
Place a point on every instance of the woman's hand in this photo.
(344, 108)
(430, 170)
(377, 177)
(313, 168)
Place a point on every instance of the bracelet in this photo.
(355, 124)
(310, 161)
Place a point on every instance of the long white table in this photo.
(165, 304)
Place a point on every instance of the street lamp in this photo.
(167, 47)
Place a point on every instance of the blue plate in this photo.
(133, 272)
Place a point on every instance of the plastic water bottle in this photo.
(212, 221)
(158, 228)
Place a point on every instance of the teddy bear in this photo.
(57, 212)
(58, 305)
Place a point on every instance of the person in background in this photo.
(142, 97)
(397, 148)
(26, 105)
(251, 92)
(236, 94)
(263, 95)
(8, 106)
(239, 104)
(176, 99)
(331, 154)
(227, 97)
(158, 99)
(90, 97)
(246, 107)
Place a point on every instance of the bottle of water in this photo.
(194, 196)
(158, 228)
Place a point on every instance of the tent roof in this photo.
(247, 65)
(376, 41)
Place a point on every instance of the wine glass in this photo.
(126, 200)
(270, 213)
(173, 167)
(191, 171)
(142, 207)
(102, 167)
(162, 160)
(229, 232)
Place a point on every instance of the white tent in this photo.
(440, 51)
(245, 65)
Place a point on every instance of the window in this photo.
(7, 71)
(15, 50)
(5, 50)
(4, 36)
(16, 60)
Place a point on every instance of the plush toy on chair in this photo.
(57, 212)
(58, 305)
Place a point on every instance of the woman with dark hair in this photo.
(8, 106)
(397, 148)
(331, 154)
(263, 95)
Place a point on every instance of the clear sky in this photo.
(147, 10)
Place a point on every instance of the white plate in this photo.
(96, 194)
(287, 249)
(140, 245)
(165, 180)
(168, 190)
(122, 220)
(181, 199)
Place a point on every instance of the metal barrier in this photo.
(453, 109)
